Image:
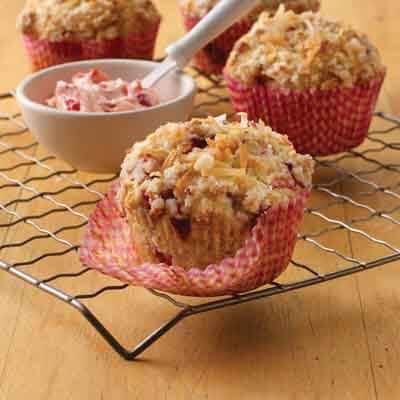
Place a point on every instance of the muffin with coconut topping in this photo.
(193, 191)
(315, 79)
(58, 31)
(213, 57)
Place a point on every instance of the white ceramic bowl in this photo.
(97, 142)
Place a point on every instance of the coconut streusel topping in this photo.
(58, 20)
(189, 169)
(300, 51)
(200, 8)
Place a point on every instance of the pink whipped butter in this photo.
(94, 91)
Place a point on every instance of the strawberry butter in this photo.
(94, 91)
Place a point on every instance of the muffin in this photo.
(213, 57)
(192, 192)
(58, 31)
(314, 79)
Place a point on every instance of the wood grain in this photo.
(332, 341)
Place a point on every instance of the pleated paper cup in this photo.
(317, 122)
(141, 46)
(109, 247)
(45, 53)
(212, 58)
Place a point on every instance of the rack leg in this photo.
(113, 342)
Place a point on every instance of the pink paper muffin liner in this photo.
(107, 246)
(212, 59)
(45, 53)
(317, 122)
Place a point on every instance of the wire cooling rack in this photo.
(45, 204)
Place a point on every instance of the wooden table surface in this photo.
(333, 341)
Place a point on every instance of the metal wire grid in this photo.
(355, 200)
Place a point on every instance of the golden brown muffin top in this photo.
(188, 169)
(199, 8)
(300, 51)
(58, 20)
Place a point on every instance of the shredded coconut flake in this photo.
(244, 122)
(221, 118)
